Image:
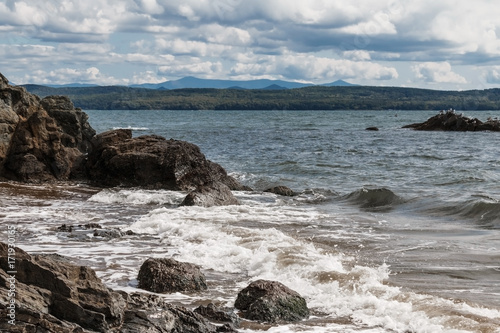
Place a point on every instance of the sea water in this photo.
(391, 231)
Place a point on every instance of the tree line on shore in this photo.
(308, 98)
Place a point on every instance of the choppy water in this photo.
(393, 231)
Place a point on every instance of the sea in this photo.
(392, 230)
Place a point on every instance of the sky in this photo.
(435, 44)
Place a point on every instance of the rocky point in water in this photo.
(452, 121)
(49, 139)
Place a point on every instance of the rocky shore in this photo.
(49, 140)
(48, 293)
(451, 121)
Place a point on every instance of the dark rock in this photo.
(53, 295)
(40, 140)
(65, 228)
(215, 194)
(151, 313)
(451, 121)
(169, 276)
(270, 301)
(91, 226)
(76, 129)
(51, 140)
(228, 328)
(83, 232)
(151, 161)
(372, 128)
(70, 293)
(281, 190)
(215, 314)
(108, 233)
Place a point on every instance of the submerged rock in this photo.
(215, 194)
(53, 295)
(451, 121)
(92, 232)
(168, 276)
(272, 302)
(281, 190)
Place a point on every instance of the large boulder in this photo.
(47, 293)
(452, 121)
(166, 275)
(271, 302)
(40, 140)
(151, 161)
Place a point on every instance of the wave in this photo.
(375, 199)
(242, 243)
(485, 212)
(138, 197)
(138, 129)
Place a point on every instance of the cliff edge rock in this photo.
(40, 139)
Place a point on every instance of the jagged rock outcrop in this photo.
(271, 302)
(53, 295)
(151, 161)
(451, 121)
(49, 139)
(40, 140)
(166, 275)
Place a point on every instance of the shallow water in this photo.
(393, 231)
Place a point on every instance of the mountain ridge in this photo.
(194, 82)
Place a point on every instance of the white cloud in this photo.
(313, 68)
(150, 6)
(207, 69)
(147, 77)
(437, 72)
(294, 39)
(70, 75)
(183, 47)
(358, 55)
(492, 75)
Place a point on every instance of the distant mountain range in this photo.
(193, 82)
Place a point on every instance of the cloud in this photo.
(147, 77)
(435, 72)
(207, 69)
(70, 75)
(312, 68)
(314, 40)
(492, 75)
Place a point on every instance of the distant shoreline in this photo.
(308, 98)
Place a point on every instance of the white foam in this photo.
(138, 197)
(241, 240)
(139, 129)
